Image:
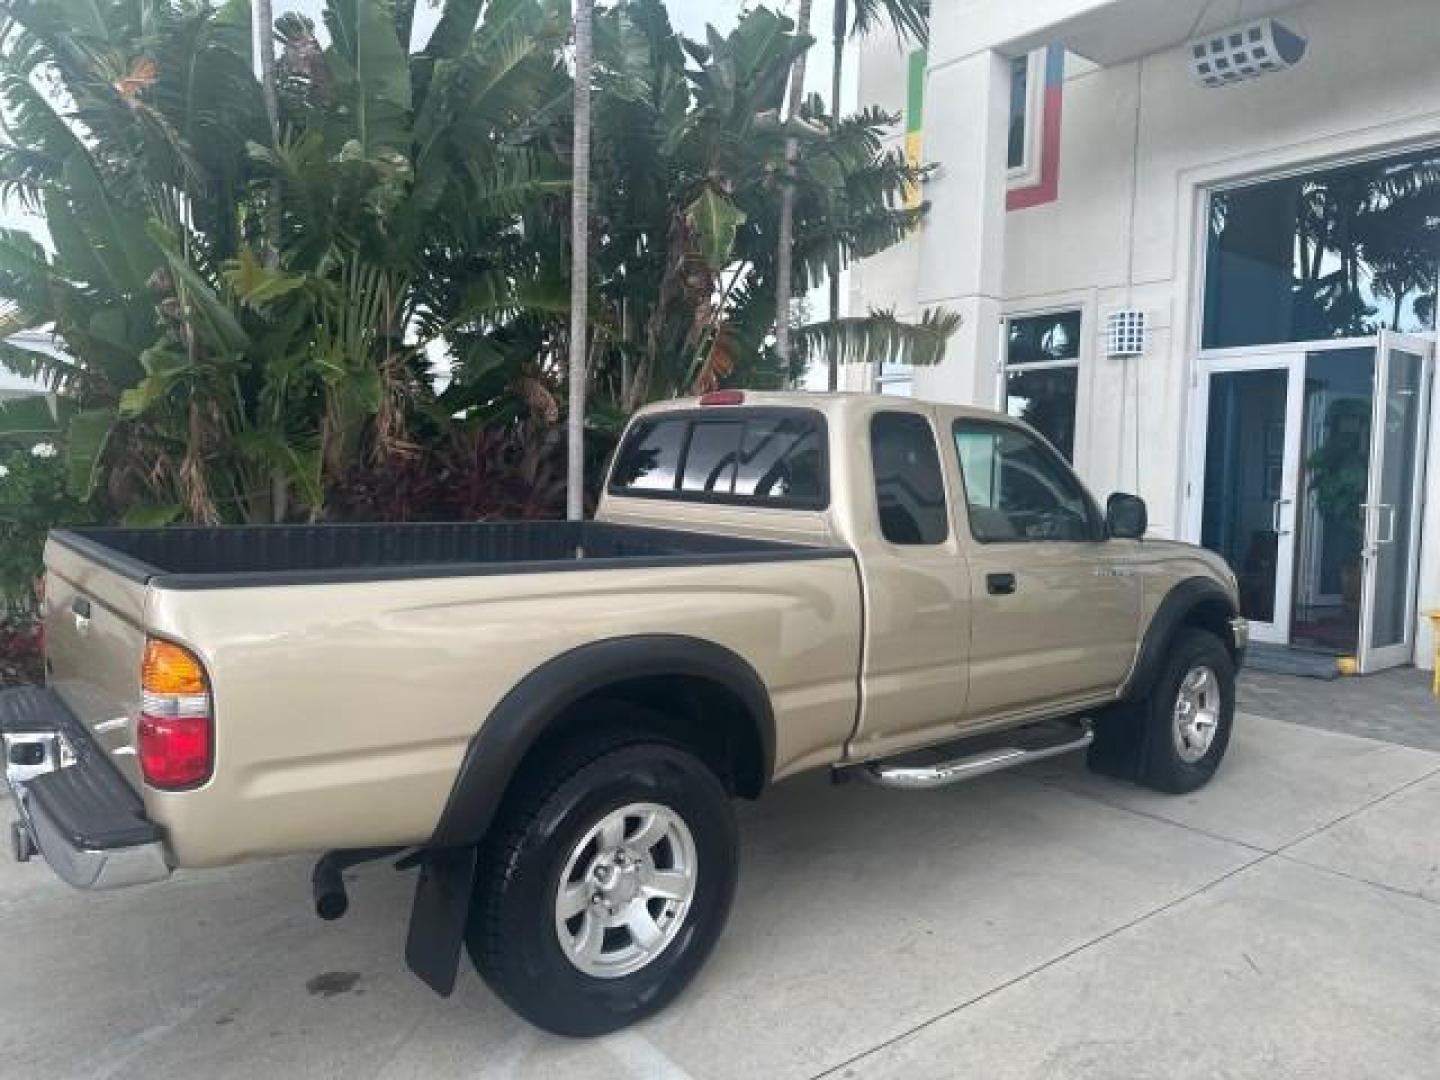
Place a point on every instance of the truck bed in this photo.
(193, 557)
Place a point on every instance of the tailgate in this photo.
(94, 644)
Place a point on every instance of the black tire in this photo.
(1138, 741)
(513, 937)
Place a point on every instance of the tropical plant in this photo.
(227, 373)
(691, 158)
(249, 295)
(106, 138)
(1338, 470)
(22, 649)
(34, 498)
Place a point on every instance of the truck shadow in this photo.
(859, 912)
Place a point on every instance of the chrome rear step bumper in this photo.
(980, 757)
(72, 805)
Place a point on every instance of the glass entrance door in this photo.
(1252, 409)
(1392, 508)
(1311, 489)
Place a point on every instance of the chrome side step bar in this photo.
(910, 777)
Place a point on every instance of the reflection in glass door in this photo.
(1330, 523)
(1251, 460)
(1392, 518)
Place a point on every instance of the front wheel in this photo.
(1174, 739)
(605, 887)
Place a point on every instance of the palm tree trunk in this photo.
(785, 253)
(265, 44)
(580, 262)
(838, 27)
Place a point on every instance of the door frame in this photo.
(1370, 657)
(1291, 360)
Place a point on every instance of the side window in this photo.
(909, 485)
(1017, 490)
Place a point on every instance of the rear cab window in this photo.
(742, 457)
(909, 480)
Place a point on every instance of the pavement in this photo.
(1284, 922)
(1393, 705)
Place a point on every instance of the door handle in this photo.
(1276, 509)
(1389, 511)
(1000, 584)
(80, 609)
(1379, 508)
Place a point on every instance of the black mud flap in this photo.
(1121, 747)
(438, 918)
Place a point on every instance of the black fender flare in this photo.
(1179, 603)
(449, 863)
(539, 699)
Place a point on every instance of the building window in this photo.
(1042, 375)
(1335, 254)
(1020, 114)
(1037, 84)
(897, 380)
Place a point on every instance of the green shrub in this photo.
(33, 500)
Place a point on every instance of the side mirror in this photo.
(1126, 517)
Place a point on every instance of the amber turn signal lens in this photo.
(170, 669)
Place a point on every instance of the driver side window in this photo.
(1017, 489)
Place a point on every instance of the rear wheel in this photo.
(1174, 739)
(605, 886)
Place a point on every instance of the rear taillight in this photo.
(175, 738)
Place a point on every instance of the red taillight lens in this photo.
(174, 750)
(175, 735)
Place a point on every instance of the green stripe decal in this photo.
(915, 101)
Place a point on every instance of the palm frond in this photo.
(910, 19)
(878, 338)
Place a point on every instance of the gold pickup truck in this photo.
(549, 721)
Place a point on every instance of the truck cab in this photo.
(995, 589)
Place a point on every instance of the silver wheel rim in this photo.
(625, 890)
(1197, 713)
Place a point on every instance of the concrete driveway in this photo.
(1283, 922)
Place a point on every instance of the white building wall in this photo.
(1141, 141)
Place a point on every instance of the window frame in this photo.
(1096, 519)
(946, 494)
(721, 415)
(1027, 172)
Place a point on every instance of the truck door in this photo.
(916, 598)
(1055, 608)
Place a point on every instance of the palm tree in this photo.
(910, 20)
(265, 42)
(579, 262)
(690, 157)
(785, 257)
